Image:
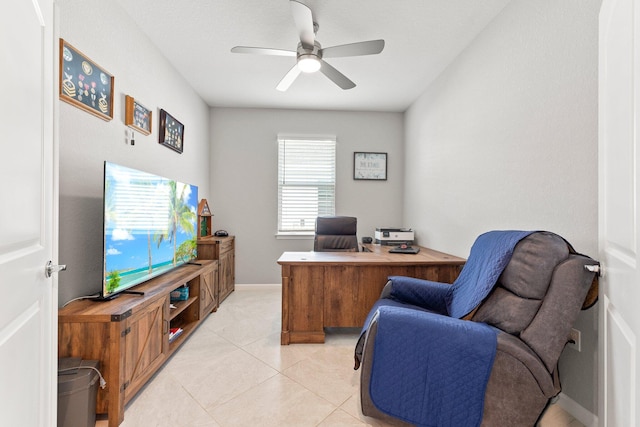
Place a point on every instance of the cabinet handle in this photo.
(165, 330)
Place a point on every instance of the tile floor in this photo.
(233, 372)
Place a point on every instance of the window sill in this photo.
(292, 235)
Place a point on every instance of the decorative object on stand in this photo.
(137, 116)
(204, 218)
(179, 294)
(84, 84)
(171, 132)
(370, 166)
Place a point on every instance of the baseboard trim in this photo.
(577, 411)
(253, 287)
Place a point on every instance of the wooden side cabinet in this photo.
(223, 250)
(130, 335)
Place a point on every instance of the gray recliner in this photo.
(336, 234)
(532, 309)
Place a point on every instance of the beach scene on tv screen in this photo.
(150, 226)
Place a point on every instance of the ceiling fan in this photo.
(310, 55)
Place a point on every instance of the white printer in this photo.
(394, 236)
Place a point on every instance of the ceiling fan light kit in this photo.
(308, 63)
(308, 59)
(309, 53)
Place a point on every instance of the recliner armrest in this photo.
(419, 292)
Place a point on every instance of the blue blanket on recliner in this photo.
(489, 255)
(431, 369)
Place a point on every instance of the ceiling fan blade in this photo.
(288, 79)
(336, 76)
(371, 47)
(303, 19)
(263, 51)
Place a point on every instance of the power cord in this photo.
(82, 297)
(103, 383)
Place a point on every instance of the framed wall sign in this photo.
(137, 116)
(171, 132)
(84, 84)
(370, 166)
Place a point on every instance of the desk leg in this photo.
(284, 333)
(302, 304)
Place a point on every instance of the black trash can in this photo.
(77, 391)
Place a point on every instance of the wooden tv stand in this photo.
(129, 335)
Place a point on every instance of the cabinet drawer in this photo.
(226, 245)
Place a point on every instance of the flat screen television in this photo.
(149, 227)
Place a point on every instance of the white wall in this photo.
(507, 138)
(103, 32)
(244, 173)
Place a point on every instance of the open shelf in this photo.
(186, 315)
(187, 328)
(180, 307)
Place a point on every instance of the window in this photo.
(306, 182)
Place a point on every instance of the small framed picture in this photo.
(171, 132)
(370, 166)
(84, 84)
(137, 116)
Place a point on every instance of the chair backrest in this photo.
(539, 294)
(336, 234)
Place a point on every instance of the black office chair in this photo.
(336, 234)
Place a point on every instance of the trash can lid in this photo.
(76, 374)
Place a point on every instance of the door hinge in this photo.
(125, 332)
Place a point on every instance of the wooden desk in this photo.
(337, 289)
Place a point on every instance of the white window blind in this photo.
(306, 182)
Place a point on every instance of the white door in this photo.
(28, 315)
(619, 217)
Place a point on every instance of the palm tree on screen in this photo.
(182, 217)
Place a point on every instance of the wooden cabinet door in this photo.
(208, 292)
(145, 346)
(227, 274)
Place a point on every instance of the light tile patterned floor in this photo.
(233, 372)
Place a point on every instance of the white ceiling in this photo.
(421, 38)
